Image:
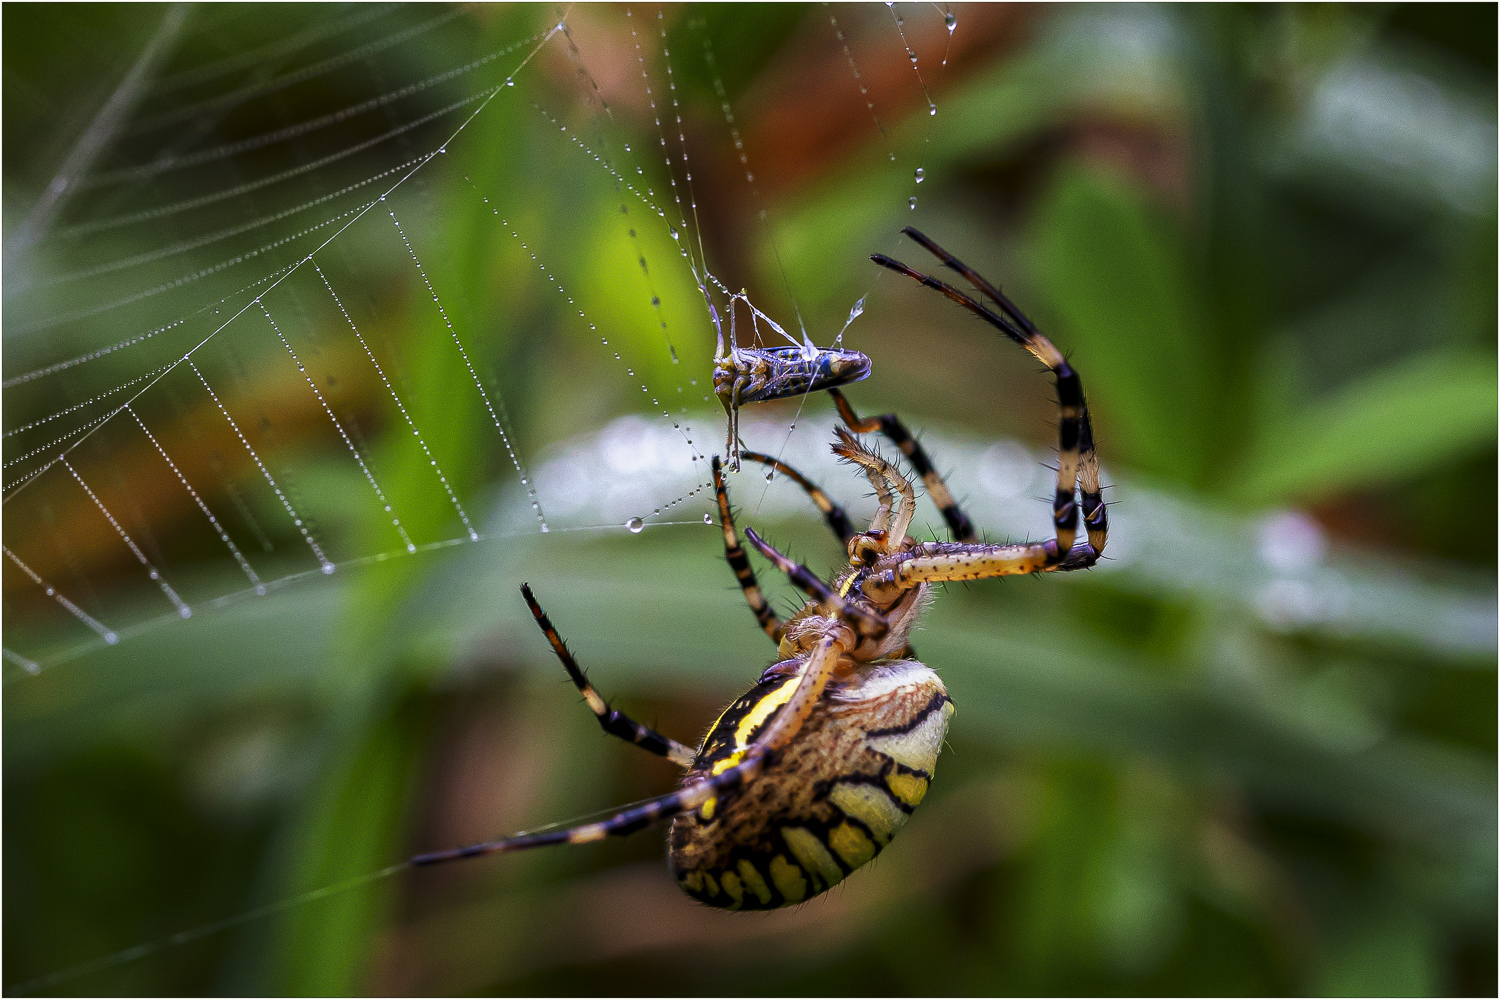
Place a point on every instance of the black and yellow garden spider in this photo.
(811, 773)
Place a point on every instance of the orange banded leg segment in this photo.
(734, 553)
(865, 623)
(816, 672)
(1075, 434)
(888, 424)
(833, 515)
(612, 721)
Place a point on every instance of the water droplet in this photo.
(512, 83)
(951, 20)
(635, 525)
(912, 202)
(913, 58)
(770, 475)
(921, 175)
(932, 109)
(708, 519)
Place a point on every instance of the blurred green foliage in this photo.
(1266, 237)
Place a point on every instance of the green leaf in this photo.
(1398, 422)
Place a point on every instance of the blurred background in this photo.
(431, 268)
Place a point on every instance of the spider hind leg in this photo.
(611, 720)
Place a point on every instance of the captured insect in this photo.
(812, 772)
(756, 374)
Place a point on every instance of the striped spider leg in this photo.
(890, 425)
(734, 553)
(1077, 462)
(756, 374)
(611, 720)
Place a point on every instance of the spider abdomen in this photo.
(827, 804)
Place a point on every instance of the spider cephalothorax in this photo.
(810, 774)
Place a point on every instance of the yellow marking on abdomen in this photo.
(731, 883)
(909, 788)
(789, 879)
(872, 806)
(851, 844)
(815, 859)
(754, 881)
(753, 720)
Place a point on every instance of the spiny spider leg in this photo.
(979, 281)
(866, 623)
(815, 673)
(740, 563)
(833, 515)
(1077, 465)
(1095, 518)
(940, 562)
(613, 721)
(959, 525)
(889, 484)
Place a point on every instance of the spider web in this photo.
(211, 349)
(268, 325)
(269, 328)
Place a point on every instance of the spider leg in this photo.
(621, 824)
(944, 562)
(1095, 519)
(1078, 465)
(613, 721)
(888, 484)
(833, 515)
(816, 671)
(740, 563)
(890, 425)
(865, 623)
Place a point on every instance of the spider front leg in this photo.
(831, 604)
(888, 424)
(734, 553)
(1077, 463)
(613, 721)
(947, 562)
